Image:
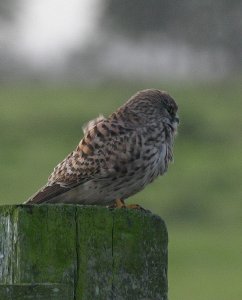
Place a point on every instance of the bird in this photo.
(118, 155)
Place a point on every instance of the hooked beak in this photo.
(176, 120)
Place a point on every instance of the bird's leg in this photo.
(119, 203)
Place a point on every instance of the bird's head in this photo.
(154, 105)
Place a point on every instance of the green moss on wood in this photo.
(91, 251)
(36, 292)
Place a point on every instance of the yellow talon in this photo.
(119, 203)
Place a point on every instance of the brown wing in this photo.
(104, 152)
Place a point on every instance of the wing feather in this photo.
(104, 151)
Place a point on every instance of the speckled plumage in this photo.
(118, 156)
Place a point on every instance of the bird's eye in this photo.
(170, 110)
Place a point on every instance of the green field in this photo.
(199, 198)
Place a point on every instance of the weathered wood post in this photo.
(81, 252)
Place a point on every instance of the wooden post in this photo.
(81, 252)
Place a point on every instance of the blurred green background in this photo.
(51, 84)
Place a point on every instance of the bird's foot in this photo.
(119, 203)
(134, 206)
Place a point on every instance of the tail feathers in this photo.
(46, 193)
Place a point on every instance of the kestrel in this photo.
(118, 156)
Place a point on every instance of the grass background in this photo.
(199, 198)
